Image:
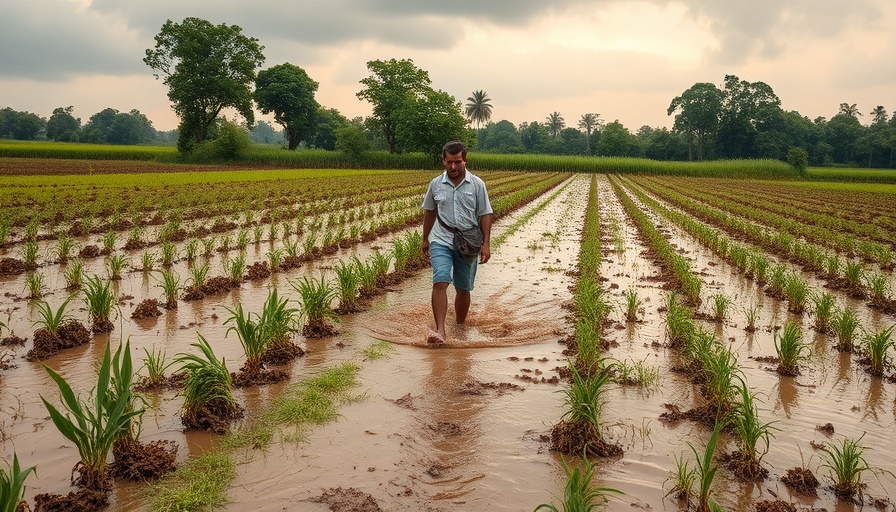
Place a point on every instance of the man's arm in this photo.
(429, 220)
(485, 224)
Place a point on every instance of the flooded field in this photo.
(467, 426)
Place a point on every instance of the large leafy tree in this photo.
(20, 125)
(288, 92)
(748, 109)
(426, 123)
(555, 123)
(697, 115)
(63, 125)
(392, 87)
(849, 110)
(207, 68)
(479, 108)
(328, 121)
(880, 115)
(617, 140)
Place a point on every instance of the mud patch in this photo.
(149, 308)
(89, 251)
(347, 500)
(213, 417)
(405, 402)
(281, 352)
(248, 377)
(744, 467)
(488, 388)
(138, 461)
(775, 506)
(70, 334)
(84, 500)
(801, 481)
(575, 437)
(12, 266)
(13, 341)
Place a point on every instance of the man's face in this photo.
(454, 164)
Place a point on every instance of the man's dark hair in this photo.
(454, 147)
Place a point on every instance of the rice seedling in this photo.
(368, 275)
(100, 302)
(206, 387)
(30, 253)
(49, 319)
(275, 258)
(251, 334)
(242, 239)
(135, 237)
(115, 264)
(348, 282)
(191, 250)
(635, 373)
(591, 304)
(317, 296)
(97, 422)
(74, 275)
(749, 431)
(845, 323)
(208, 246)
(149, 262)
(845, 465)
(65, 244)
(277, 319)
(720, 369)
(580, 495)
(171, 288)
(401, 253)
(679, 326)
(584, 397)
(834, 265)
(235, 267)
(31, 228)
(797, 292)
(777, 280)
(257, 233)
(287, 229)
(5, 229)
(169, 253)
(706, 471)
(587, 344)
(109, 240)
(854, 272)
(632, 303)
(12, 484)
(34, 285)
(720, 304)
(790, 349)
(381, 262)
(309, 244)
(751, 312)
(156, 363)
(273, 231)
(682, 478)
(878, 345)
(292, 248)
(226, 243)
(878, 285)
(824, 310)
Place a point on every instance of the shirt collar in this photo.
(466, 177)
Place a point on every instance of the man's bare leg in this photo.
(439, 312)
(461, 305)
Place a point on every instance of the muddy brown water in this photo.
(432, 432)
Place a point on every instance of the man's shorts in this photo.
(444, 260)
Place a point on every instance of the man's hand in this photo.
(485, 254)
(425, 247)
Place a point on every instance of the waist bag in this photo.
(467, 242)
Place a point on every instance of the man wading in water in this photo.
(455, 200)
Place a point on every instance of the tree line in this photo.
(212, 71)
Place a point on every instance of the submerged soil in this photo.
(467, 426)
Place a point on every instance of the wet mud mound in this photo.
(744, 467)
(84, 500)
(258, 270)
(174, 381)
(143, 461)
(148, 308)
(801, 481)
(347, 500)
(89, 251)
(281, 353)
(70, 334)
(213, 417)
(13, 266)
(775, 506)
(13, 341)
(102, 327)
(256, 376)
(574, 437)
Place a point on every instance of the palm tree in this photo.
(479, 110)
(850, 110)
(880, 114)
(555, 124)
(589, 122)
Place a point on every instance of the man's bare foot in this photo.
(435, 338)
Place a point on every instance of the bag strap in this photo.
(442, 222)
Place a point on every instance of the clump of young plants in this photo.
(348, 282)
(877, 346)
(845, 324)
(12, 484)
(720, 303)
(752, 313)
(208, 400)
(279, 322)
(845, 465)
(74, 275)
(100, 302)
(115, 265)
(56, 331)
(824, 310)
(34, 284)
(316, 308)
(579, 430)
(705, 472)
(790, 349)
(95, 424)
(254, 337)
(171, 287)
(752, 436)
(632, 304)
(580, 494)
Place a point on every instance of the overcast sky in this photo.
(622, 59)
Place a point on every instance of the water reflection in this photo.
(787, 395)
